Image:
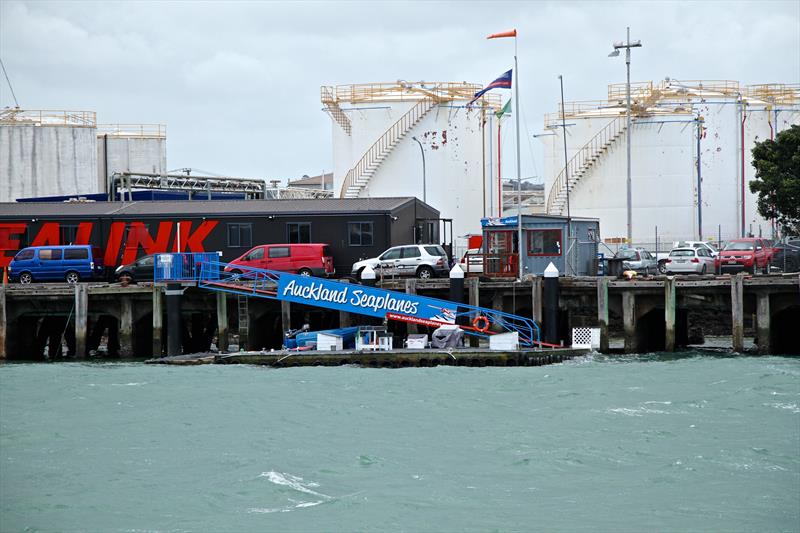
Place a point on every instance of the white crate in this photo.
(327, 342)
(504, 341)
(417, 341)
(586, 338)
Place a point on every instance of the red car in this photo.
(303, 259)
(749, 255)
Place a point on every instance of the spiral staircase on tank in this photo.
(582, 164)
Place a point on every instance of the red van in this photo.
(303, 259)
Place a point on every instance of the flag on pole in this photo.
(506, 109)
(509, 33)
(503, 82)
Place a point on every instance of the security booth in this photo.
(569, 243)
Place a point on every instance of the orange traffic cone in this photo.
(5, 276)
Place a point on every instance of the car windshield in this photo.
(738, 246)
(627, 254)
(681, 253)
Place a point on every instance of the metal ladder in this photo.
(244, 321)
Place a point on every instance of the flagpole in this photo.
(519, 170)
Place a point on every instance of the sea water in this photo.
(645, 443)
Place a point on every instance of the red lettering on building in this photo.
(113, 243)
(49, 235)
(138, 236)
(194, 241)
(84, 233)
(8, 241)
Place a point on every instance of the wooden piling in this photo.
(763, 323)
(126, 327)
(222, 322)
(3, 325)
(81, 319)
(474, 300)
(411, 288)
(536, 299)
(737, 312)
(602, 312)
(669, 314)
(158, 320)
(629, 321)
(286, 316)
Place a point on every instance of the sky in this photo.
(238, 83)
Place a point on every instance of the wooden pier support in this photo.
(602, 312)
(158, 320)
(286, 317)
(3, 325)
(629, 321)
(536, 299)
(222, 322)
(81, 319)
(411, 288)
(669, 314)
(173, 295)
(474, 300)
(763, 323)
(126, 327)
(737, 312)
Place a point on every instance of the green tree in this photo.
(777, 182)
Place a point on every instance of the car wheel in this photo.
(72, 277)
(25, 278)
(304, 272)
(703, 270)
(236, 272)
(425, 272)
(662, 267)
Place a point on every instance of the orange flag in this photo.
(509, 33)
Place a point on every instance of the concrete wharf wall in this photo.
(651, 315)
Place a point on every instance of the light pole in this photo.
(627, 46)
(566, 174)
(424, 195)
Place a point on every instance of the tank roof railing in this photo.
(43, 117)
(784, 93)
(402, 91)
(133, 130)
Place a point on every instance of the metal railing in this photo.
(583, 159)
(183, 266)
(500, 265)
(332, 105)
(133, 130)
(372, 158)
(402, 91)
(42, 117)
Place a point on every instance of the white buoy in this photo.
(456, 272)
(551, 271)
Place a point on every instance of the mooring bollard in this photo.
(173, 296)
(368, 276)
(457, 291)
(551, 289)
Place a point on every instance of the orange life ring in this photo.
(481, 319)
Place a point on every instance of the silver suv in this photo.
(637, 259)
(421, 260)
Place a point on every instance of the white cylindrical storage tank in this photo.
(137, 148)
(47, 153)
(381, 131)
(672, 199)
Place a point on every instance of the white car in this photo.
(421, 260)
(662, 258)
(689, 261)
(472, 262)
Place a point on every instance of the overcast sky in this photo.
(237, 83)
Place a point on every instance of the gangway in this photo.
(242, 280)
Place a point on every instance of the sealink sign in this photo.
(361, 300)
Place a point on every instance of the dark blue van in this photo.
(71, 263)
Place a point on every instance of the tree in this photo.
(777, 182)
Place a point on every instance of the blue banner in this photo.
(365, 300)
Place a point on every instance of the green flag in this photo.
(506, 109)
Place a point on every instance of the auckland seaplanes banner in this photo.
(366, 300)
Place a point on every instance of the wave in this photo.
(297, 484)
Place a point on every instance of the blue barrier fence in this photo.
(182, 266)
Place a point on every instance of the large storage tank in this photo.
(47, 153)
(375, 153)
(672, 122)
(134, 148)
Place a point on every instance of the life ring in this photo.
(480, 319)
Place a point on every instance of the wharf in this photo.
(382, 359)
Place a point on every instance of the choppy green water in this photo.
(601, 444)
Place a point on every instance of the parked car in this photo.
(139, 270)
(786, 258)
(421, 260)
(662, 257)
(748, 254)
(72, 263)
(690, 261)
(472, 261)
(312, 259)
(637, 259)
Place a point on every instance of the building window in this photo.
(240, 235)
(360, 233)
(298, 232)
(544, 242)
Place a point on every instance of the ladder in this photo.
(244, 320)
